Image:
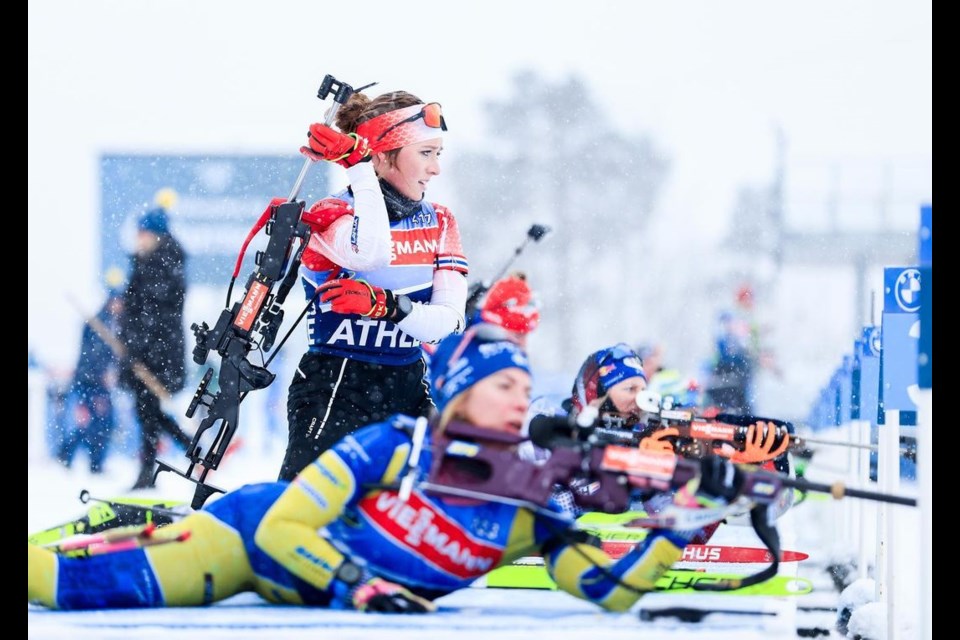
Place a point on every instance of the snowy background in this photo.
(770, 142)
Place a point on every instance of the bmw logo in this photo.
(907, 290)
(874, 343)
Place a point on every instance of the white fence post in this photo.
(925, 504)
(888, 477)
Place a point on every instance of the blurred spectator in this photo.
(89, 403)
(509, 304)
(731, 382)
(735, 359)
(151, 330)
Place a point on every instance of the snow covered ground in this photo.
(818, 527)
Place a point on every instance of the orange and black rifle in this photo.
(607, 469)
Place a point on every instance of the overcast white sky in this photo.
(850, 83)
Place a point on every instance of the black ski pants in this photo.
(332, 396)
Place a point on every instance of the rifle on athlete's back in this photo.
(235, 333)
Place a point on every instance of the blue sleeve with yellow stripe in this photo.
(587, 572)
(321, 493)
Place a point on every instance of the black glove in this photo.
(720, 479)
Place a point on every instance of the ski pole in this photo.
(120, 352)
(535, 233)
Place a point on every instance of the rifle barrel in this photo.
(838, 490)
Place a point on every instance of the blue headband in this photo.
(461, 361)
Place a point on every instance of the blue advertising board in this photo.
(845, 389)
(855, 379)
(218, 198)
(901, 333)
(925, 353)
(868, 389)
(925, 236)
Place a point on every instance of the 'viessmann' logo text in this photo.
(712, 430)
(439, 541)
(414, 246)
(251, 304)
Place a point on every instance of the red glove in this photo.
(509, 304)
(658, 440)
(357, 296)
(761, 444)
(346, 149)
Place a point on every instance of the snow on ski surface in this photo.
(471, 614)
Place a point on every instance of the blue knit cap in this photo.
(155, 221)
(462, 360)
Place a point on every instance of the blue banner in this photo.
(925, 348)
(901, 333)
(855, 379)
(926, 236)
(216, 201)
(868, 363)
(845, 390)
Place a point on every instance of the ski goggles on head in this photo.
(619, 351)
(432, 117)
(618, 363)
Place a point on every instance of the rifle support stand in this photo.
(203, 490)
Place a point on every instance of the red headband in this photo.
(406, 133)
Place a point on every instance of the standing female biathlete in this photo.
(384, 269)
(343, 534)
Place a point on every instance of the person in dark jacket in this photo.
(93, 421)
(151, 330)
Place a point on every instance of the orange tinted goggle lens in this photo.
(432, 116)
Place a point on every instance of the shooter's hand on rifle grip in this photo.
(328, 144)
(762, 443)
(658, 440)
